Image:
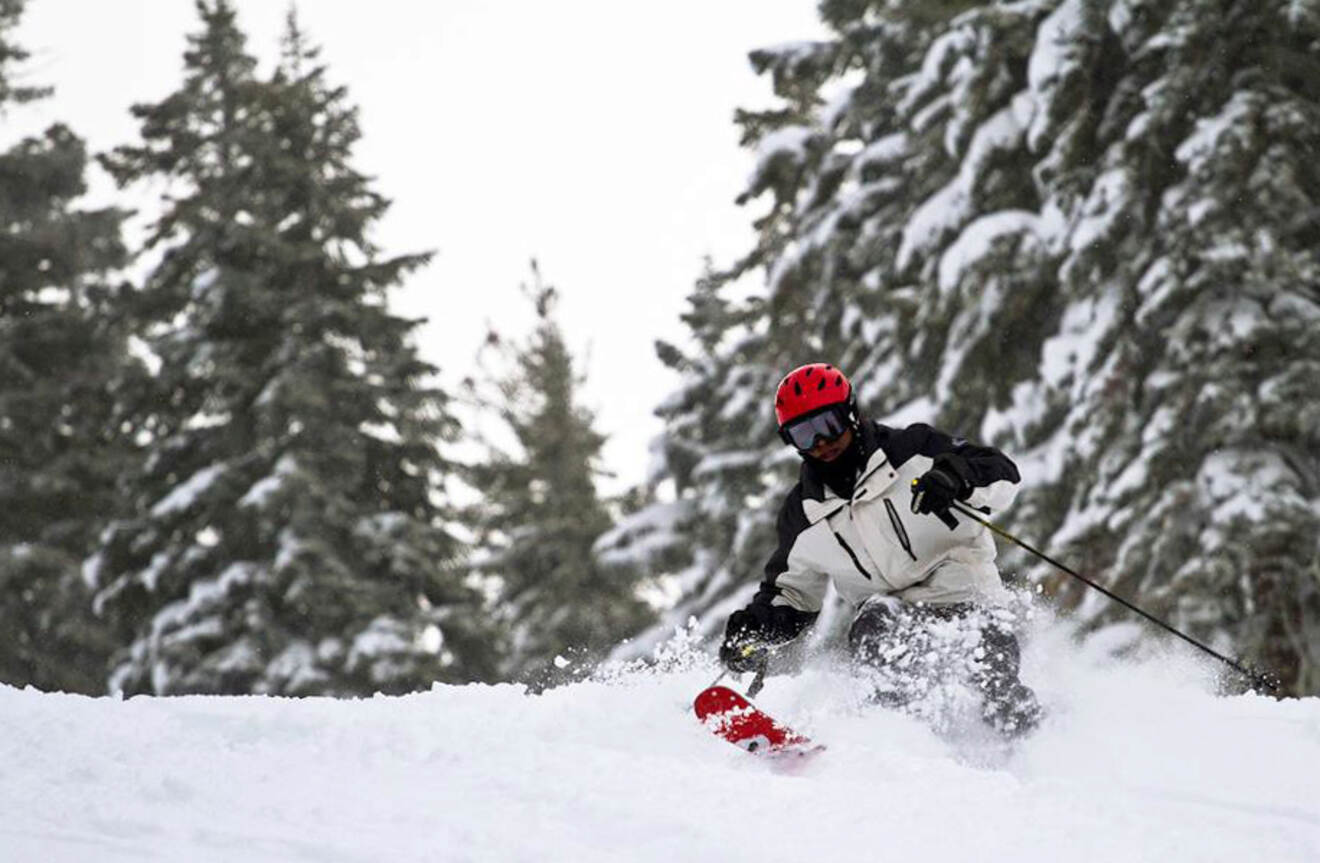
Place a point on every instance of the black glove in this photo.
(751, 632)
(745, 636)
(949, 479)
(751, 656)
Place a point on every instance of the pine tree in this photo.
(1078, 230)
(61, 444)
(540, 515)
(289, 536)
(1203, 284)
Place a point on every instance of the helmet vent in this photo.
(797, 387)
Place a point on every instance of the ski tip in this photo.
(715, 700)
(737, 720)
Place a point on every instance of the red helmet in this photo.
(809, 388)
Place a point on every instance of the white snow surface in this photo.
(1135, 762)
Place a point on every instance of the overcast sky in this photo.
(593, 135)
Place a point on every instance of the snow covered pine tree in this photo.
(539, 514)
(1080, 231)
(289, 536)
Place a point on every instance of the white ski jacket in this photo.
(873, 544)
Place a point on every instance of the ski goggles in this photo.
(826, 425)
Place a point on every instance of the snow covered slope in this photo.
(1135, 763)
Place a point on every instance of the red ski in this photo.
(740, 722)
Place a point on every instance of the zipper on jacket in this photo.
(864, 477)
(899, 530)
(857, 563)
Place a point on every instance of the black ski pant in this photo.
(911, 645)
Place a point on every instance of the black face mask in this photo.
(841, 474)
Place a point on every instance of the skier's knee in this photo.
(876, 621)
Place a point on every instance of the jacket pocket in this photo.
(852, 556)
(899, 531)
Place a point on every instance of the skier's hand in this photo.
(745, 637)
(933, 492)
(740, 658)
(752, 631)
(948, 479)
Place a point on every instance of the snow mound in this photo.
(1135, 762)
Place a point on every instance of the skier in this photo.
(871, 511)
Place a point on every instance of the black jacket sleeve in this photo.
(984, 464)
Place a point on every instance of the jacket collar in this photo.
(818, 499)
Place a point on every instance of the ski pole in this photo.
(759, 680)
(1259, 679)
